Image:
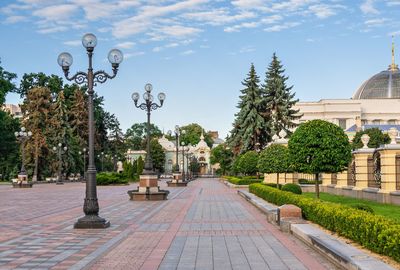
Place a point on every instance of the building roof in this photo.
(381, 127)
(385, 84)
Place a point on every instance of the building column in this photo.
(362, 167)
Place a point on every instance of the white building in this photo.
(376, 103)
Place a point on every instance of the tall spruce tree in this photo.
(277, 99)
(249, 125)
(36, 110)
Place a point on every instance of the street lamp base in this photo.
(91, 222)
(148, 189)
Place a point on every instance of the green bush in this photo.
(111, 178)
(308, 182)
(374, 232)
(274, 185)
(242, 181)
(363, 207)
(294, 188)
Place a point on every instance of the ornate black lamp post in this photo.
(177, 133)
(59, 150)
(91, 219)
(148, 105)
(148, 187)
(183, 161)
(84, 162)
(23, 136)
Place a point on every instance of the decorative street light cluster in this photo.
(148, 105)
(91, 205)
(59, 150)
(23, 136)
(178, 132)
(185, 148)
(148, 187)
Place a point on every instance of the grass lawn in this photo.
(387, 210)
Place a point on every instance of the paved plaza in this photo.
(205, 225)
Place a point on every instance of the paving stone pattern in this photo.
(202, 226)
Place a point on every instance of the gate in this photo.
(351, 173)
(374, 171)
(397, 172)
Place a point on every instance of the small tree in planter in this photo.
(317, 147)
(248, 163)
(274, 159)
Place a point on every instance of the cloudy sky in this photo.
(199, 51)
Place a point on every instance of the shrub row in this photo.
(242, 181)
(371, 231)
(308, 182)
(111, 178)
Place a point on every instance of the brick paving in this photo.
(202, 226)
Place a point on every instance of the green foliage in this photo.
(9, 155)
(130, 170)
(274, 185)
(111, 178)
(136, 134)
(249, 126)
(389, 211)
(277, 99)
(6, 84)
(362, 206)
(222, 155)
(248, 163)
(242, 181)
(374, 232)
(139, 165)
(34, 80)
(376, 138)
(274, 159)
(157, 155)
(192, 135)
(308, 182)
(294, 188)
(319, 146)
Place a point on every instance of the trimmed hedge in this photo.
(371, 231)
(294, 188)
(242, 181)
(111, 178)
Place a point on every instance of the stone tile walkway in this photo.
(203, 226)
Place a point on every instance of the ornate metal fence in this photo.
(397, 172)
(374, 176)
(351, 172)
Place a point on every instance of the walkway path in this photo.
(203, 226)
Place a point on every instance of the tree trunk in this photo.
(317, 185)
(35, 172)
(277, 181)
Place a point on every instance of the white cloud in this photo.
(280, 27)
(125, 45)
(73, 43)
(322, 11)
(188, 52)
(130, 55)
(393, 3)
(247, 49)
(219, 16)
(248, 4)
(15, 19)
(375, 22)
(56, 12)
(157, 49)
(147, 15)
(368, 7)
(179, 30)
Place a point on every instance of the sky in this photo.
(199, 51)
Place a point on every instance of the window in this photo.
(364, 122)
(376, 122)
(392, 122)
(342, 123)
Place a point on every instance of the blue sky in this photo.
(199, 51)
